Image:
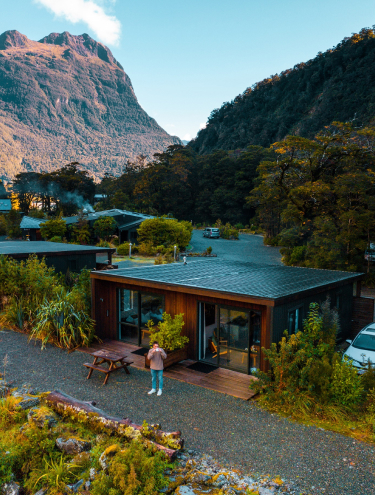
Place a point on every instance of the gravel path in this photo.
(231, 430)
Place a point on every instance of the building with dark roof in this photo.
(231, 309)
(58, 255)
(127, 221)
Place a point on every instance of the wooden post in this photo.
(266, 335)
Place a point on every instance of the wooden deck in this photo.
(221, 380)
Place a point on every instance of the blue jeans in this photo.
(157, 374)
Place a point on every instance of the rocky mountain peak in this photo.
(12, 39)
(83, 44)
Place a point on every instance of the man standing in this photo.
(156, 355)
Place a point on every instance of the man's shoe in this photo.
(152, 391)
(159, 392)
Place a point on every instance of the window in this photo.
(135, 310)
(294, 320)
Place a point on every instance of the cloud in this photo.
(202, 126)
(187, 137)
(106, 27)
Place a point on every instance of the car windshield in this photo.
(365, 341)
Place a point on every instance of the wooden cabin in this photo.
(59, 255)
(231, 309)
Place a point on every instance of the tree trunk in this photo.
(151, 435)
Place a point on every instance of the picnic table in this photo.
(111, 358)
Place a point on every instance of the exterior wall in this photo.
(345, 311)
(105, 311)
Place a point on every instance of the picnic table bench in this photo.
(111, 358)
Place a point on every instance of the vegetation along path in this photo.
(234, 431)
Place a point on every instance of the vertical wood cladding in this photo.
(105, 310)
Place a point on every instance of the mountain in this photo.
(336, 85)
(65, 98)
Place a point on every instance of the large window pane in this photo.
(152, 308)
(128, 317)
(234, 339)
(255, 321)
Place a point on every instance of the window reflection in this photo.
(152, 307)
(128, 315)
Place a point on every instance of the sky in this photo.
(186, 59)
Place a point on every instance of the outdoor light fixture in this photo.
(175, 248)
(130, 249)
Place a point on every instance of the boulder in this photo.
(72, 446)
(42, 491)
(29, 402)
(11, 488)
(40, 418)
(185, 490)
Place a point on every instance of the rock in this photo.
(107, 455)
(40, 418)
(72, 446)
(219, 480)
(74, 488)
(198, 477)
(41, 492)
(92, 474)
(11, 488)
(87, 485)
(265, 491)
(102, 437)
(29, 403)
(185, 490)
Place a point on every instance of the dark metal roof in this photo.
(236, 277)
(129, 225)
(25, 248)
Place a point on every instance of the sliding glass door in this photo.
(229, 337)
(135, 309)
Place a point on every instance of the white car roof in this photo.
(370, 329)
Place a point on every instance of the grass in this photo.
(359, 425)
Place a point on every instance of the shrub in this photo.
(56, 238)
(52, 228)
(209, 250)
(3, 225)
(228, 232)
(102, 243)
(168, 332)
(104, 226)
(147, 248)
(347, 387)
(123, 249)
(239, 226)
(64, 322)
(36, 213)
(165, 231)
(133, 471)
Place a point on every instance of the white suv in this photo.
(211, 232)
(362, 349)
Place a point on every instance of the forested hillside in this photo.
(337, 85)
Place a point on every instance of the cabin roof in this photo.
(236, 277)
(25, 248)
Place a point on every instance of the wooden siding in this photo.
(363, 314)
(105, 310)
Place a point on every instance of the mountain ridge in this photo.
(335, 85)
(66, 98)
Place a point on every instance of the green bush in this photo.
(123, 249)
(63, 322)
(56, 238)
(209, 250)
(146, 248)
(3, 225)
(104, 226)
(134, 470)
(347, 387)
(168, 332)
(102, 243)
(165, 231)
(227, 231)
(52, 228)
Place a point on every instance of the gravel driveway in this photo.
(232, 430)
(247, 248)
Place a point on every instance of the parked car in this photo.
(362, 349)
(211, 232)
